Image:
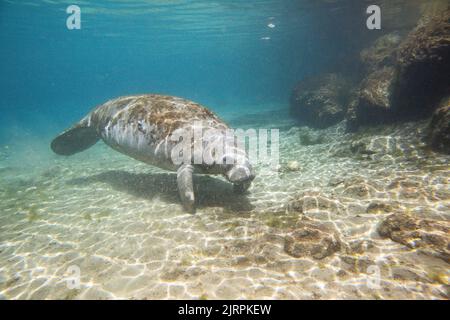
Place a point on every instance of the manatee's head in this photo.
(239, 172)
(226, 158)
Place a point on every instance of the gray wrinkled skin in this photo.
(143, 127)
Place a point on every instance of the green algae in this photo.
(103, 214)
(186, 262)
(308, 140)
(232, 224)
(32, 214)
(438, 276)
(281, 221)
(72, 294)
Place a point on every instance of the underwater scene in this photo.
(225, 149)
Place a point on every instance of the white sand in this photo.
(120, 222)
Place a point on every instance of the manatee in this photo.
(143, 127)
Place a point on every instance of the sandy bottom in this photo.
(119, 224)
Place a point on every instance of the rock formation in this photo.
(423, 62)
(320, 101)
(403, 80)
(311, 241)
(439, 128)
(429, 236)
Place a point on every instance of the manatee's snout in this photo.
(238, 170)
(241, 176)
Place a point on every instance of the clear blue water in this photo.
(121, 222)
(217, 53)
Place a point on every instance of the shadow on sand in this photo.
(209, 191)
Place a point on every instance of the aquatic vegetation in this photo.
(439, 276)
(52, 172)
(379, 207)
(320, 101)
(103, 213)
(439, 128)
(204, 296)
(307, 139)
(72, 294)
(430, 236)
(377, 296)
(186, 261)
(437, 168)
(32, 214)
(381, 53)
(282, 221)
(311, 241)
(375, 97)
(423, 61)
(232, 224)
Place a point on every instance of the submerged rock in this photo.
(439, 128)
(293, 166)
(359, 246)
(373, 102)
(351, 116)
(430, 236)
(312, 202)
(380, 145)
(320, 101)
(382, 207)
(358, 191)
(375, 97)
(52, 172)
(404, 80)
(312, 138)
(370, 147)
(357, 263)
(311, 241)
(423, 61)
(381, 53)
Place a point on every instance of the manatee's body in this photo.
(141, 127)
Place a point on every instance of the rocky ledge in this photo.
(405, 78)
(429, 236)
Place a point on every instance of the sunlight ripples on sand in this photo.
(120, 222)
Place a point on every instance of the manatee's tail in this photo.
(74, 140)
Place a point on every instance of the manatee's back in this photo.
(127, 119)
(157, 115)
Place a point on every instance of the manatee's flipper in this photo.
(242, 187)
(186, 187)
(74, 140)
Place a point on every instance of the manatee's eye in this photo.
(140, 127)
(239, 174)
(228, 160)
